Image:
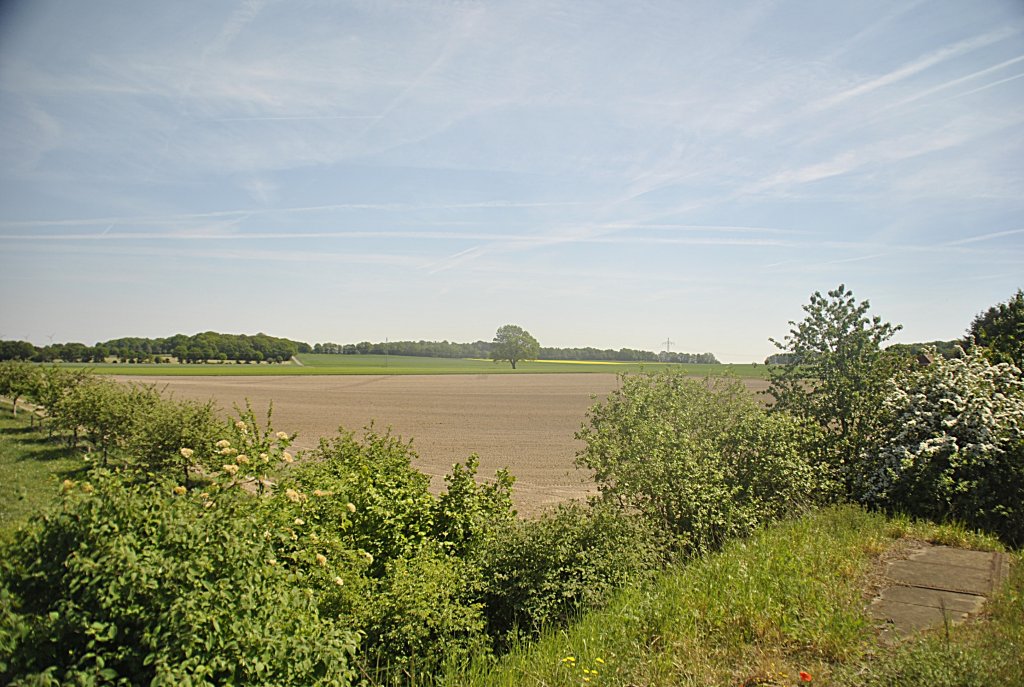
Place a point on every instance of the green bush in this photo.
(425, 619)
(162, 427)
(540, 573)
(701, 459)
(144, 584)
(418, 601)
(953, 447)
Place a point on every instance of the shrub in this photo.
(701, 459)
(141, 584)
(425, 619)
(953, 448)
(161, 428)
(540, 573)
(418, 606)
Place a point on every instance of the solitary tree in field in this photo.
(513, 343)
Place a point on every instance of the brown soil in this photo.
(523, 422)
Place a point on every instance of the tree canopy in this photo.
(835, 371)
(513, 343)
(1000, 329)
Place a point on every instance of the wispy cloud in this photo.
(915, 67)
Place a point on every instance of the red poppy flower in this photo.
(805, 676)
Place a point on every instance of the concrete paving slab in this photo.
(905, 619)
(934, 598)
(918, 573)
(934, 585)
(947, 555)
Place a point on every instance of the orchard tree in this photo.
(513, 343)
(835, 372)
(17, 379)
(1000, 329)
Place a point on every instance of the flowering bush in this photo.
(144, 584)
(953, 447)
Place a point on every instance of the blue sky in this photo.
(601, 173)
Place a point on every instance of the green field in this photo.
(333, 364)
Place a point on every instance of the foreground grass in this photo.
(330, 364)
(32, 467)
(790, 599)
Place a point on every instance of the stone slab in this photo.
(905, 619)
(947, 555)
(934, 598)
(937, 575)
(935, 585)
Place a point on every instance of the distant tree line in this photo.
(207, 346)
(626, 355)
(420, 349)
(482, 349)
(196, 348)
(947, 349)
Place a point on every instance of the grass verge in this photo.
(33, 467)
(790, 599)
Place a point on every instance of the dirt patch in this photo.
(523, 422)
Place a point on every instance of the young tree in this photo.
(513, 343)
(1000, 329)
(835, 372)
(17, 379)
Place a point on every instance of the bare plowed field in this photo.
(523, 422)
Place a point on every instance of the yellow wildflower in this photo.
(338, 581)
(186, 453)
(300, 521)
(230, 468)
(239, 424)
(223, 443)
(179, 490)
(264, 457)
(286, 457)
(228, 451)
(321, 492)
(87, 488)
(282, 436)
(351, 507)
(321, 559)
(293, 495)
(67, 485)
(368, 557)
(242, 459)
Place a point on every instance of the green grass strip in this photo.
(788, 599)
(33, 466)
(332, 364)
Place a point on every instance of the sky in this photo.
(607, 174)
